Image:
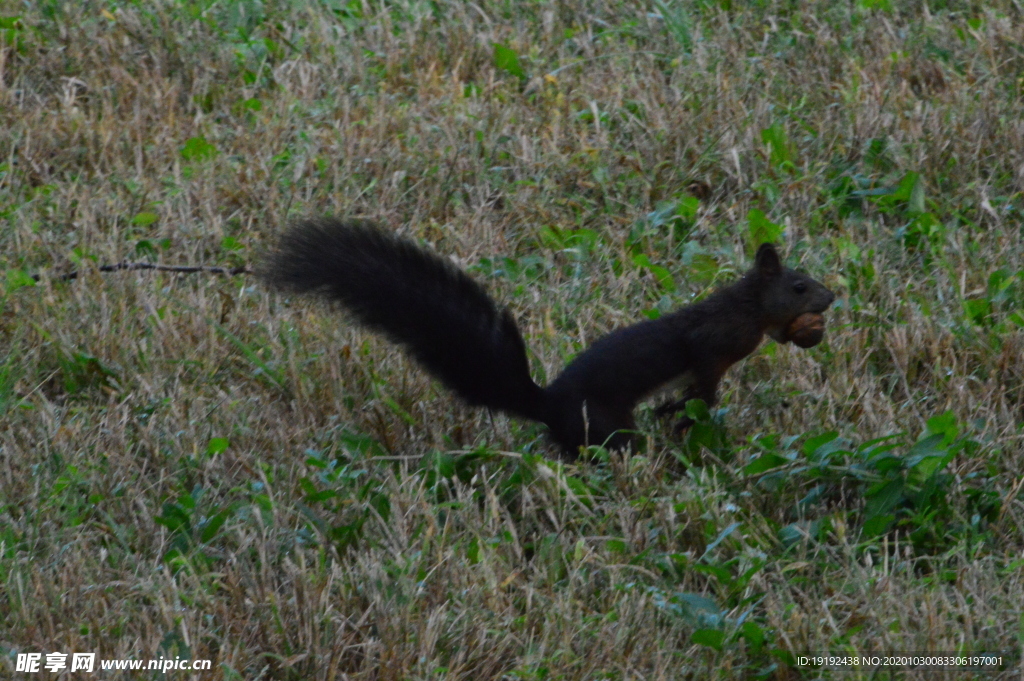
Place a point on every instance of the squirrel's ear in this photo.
(767, 260)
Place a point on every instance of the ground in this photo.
(194, 467)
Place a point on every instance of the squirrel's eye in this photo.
(800, 287)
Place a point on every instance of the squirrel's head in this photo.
(784, 294)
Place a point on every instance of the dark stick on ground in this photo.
(181, 269)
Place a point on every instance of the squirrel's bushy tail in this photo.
(444, 318)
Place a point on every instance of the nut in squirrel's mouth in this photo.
(806, 330)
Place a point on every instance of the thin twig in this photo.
(182, 269)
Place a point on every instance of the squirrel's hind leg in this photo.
(610, 426)
(595, 424)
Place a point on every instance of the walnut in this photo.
(807, 330)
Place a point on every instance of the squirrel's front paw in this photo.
(670, 408)
(682, 424)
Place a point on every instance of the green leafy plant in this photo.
(761, 230)
(781, 151)
(81, 371)
(193, 532)
(342, 496)
(506, 59)
(707, 435)
(904, 491)
(999, 295)
(197, 149)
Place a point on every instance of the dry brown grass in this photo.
(136, 407)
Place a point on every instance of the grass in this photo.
(191, 466)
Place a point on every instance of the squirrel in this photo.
(447, 321)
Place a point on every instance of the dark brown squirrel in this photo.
(451, 326)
